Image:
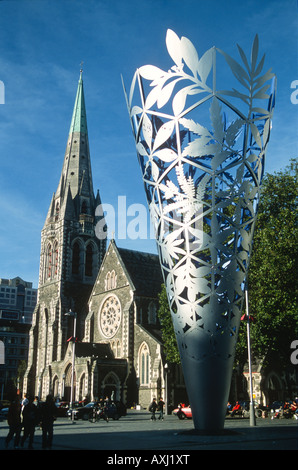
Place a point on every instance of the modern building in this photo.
(17, 303)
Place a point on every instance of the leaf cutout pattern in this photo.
(202, 182)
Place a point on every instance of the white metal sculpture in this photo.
(201, 150)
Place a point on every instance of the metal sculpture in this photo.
(202, 182)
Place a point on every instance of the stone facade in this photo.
(123, 313)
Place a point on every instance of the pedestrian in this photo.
(294, 410)
(160, 408)
(24, 401)
(103, 405)
(30, 420)
(236, 409)
(152, 409)
(36, 401)
(14, 422)
(48, 413)
(229, 408)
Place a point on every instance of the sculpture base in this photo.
(208, 386)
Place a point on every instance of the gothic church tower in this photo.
(71, 255)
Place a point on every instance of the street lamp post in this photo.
(252, 417)
(74, 315)
(166, 388)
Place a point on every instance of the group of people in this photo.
(100, 410)
(157, 407)
(287, 410)
(25, 415)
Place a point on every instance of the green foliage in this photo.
(272, 279)
(168, 334)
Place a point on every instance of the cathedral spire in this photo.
(76, 172)
(79, 118)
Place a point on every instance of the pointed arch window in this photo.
(116, 348)
(108, 281)
(75, 258)
(152, 313)
(84, 208)
(144, 365)
(57, 209)
(55, 258)
(111, 280)
(89, 260)
(48, 267)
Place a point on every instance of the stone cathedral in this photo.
(113, 292)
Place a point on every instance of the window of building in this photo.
(111, 280)
(84, 208)
(89, 261)
(55, 258)
(144, 364)
(152, 313)
(116, 348)
(57, 208)
(48, 269)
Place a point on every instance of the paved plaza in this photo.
(136, 432)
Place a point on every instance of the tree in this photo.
(168, 334)
(272, 278)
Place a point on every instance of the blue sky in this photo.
(42, 43)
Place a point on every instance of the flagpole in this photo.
(252, 417)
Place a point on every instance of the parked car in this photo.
(81, 412)
(4, 404)
(62, 408)
(113, 411)
(183, 412)
(3, 413)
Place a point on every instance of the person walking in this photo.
(30, 420)
(14, 422)
(152, 409)
(160, 408)
(36, 402)
(24, 401)
(48, 416)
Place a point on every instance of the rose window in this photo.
(110, 316)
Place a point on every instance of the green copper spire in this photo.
(79, 119)
(76, 177)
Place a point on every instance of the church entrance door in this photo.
(111, 387)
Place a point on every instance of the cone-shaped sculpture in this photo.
(201, 153)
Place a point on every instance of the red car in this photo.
(183, 411)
